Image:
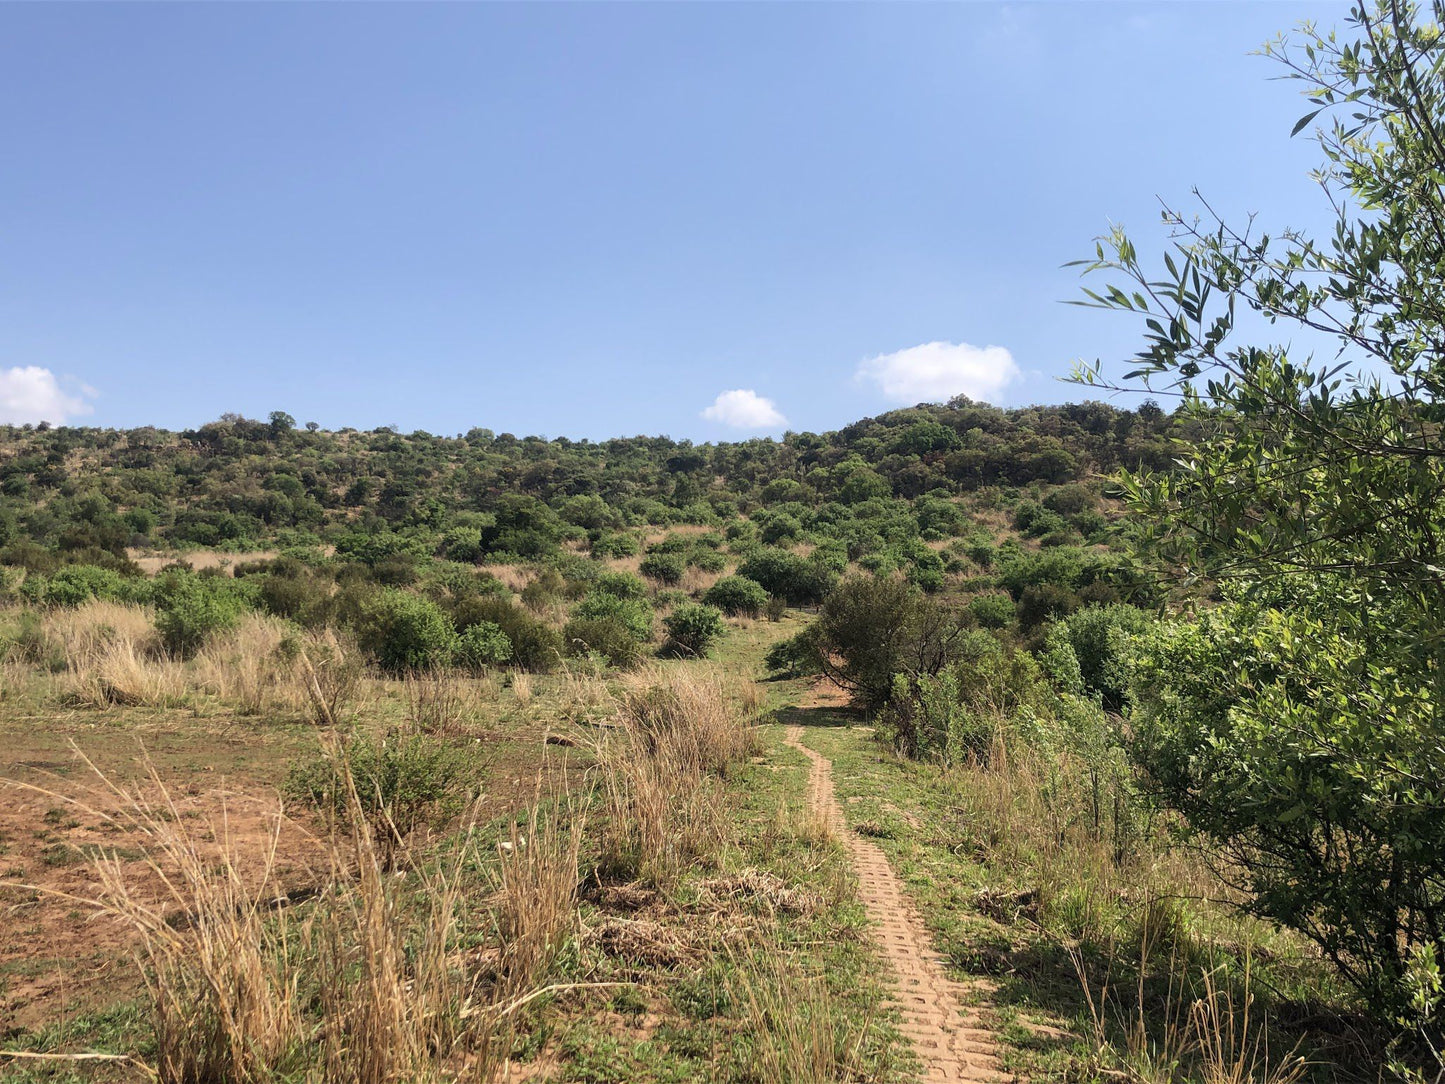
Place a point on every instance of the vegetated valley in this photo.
(1069, 743)
(372, 756)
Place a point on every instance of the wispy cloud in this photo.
(937, 371)
(29, 393)
(744, 408)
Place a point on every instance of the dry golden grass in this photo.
(357, 975)
(678, 729)
(438, 701)
(118, 672)
(151, 563)
(248, 667)
(327, 678)
(535, 896)
(513, 577)
(521, 683)
(83, 631)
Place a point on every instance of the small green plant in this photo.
(403, 780)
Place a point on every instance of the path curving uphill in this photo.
(949, 1039)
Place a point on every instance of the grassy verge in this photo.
(1096, 968)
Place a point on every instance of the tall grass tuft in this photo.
(534, 899)
(678, 729)
(327, 678)
(795, 1035)
(118, 671)
(250, 666)
(356, 976)
(438, 700)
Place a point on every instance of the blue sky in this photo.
(596, 220)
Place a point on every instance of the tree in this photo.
(872, 628)
(1300, 726)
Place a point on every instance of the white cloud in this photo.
(744, 408)
(29, 393)
(938, 371)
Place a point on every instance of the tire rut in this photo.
(948, 1037)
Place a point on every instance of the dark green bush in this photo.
(872, 628)
(691, 629)
(735, 595)
(707, 560)
(402, 631)
(605, 636)
(665, 568)
(796, 579)
(535, 644)
(797, 656)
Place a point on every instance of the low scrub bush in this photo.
(800, 581)
(400, 780)
(692, 629)
(737, 596)
(604, 636)
(481, 645)
(402, 631)
(536, 645)
(191, 610)
(664, 567)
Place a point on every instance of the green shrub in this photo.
(872, 628)
(304, 599)
(797, 656)
(798, 580)
(1099, 638)
(620, 585)
(954, 713)
(633, 614)
(614, 545)
(402, 631)
(536, 645)
(735, 595)
(1043, 602)
(481, 645)
(707, 560)
(665, 568)
(403, 780)
(691, 629)
(605, 636)
(74, 584)
(995, 611)
(671, 543)
(1268, 731)
(191, 610)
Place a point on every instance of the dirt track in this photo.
(952, 1043)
